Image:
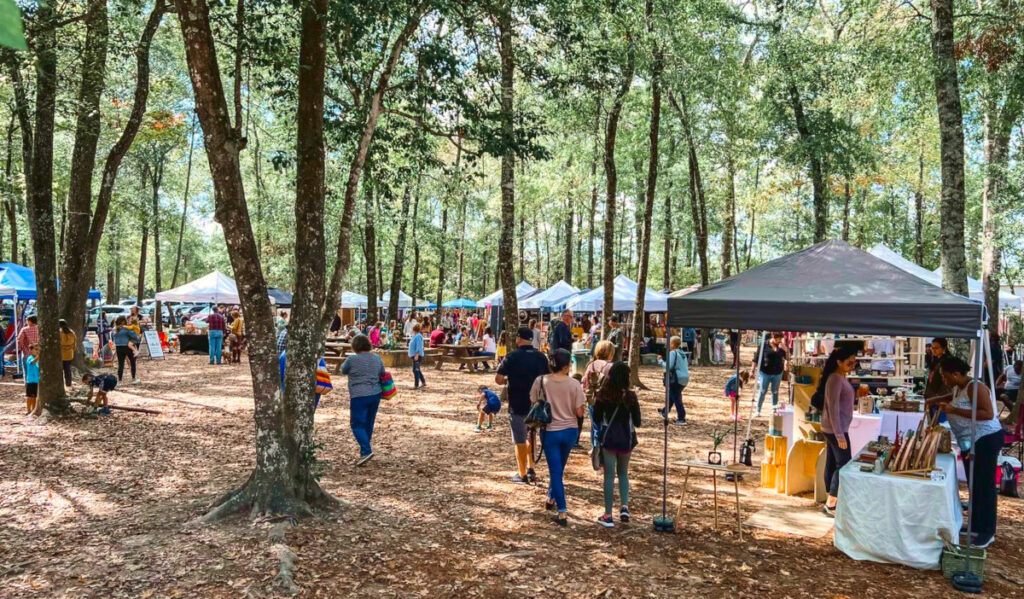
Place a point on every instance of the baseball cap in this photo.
(525, 333)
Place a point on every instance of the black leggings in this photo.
(67, 373)
(834, 460)
(986, 454)
(123, 351)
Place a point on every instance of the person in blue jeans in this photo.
(565, 396)
(416, 354)
(216, 327)
(773, 364)
(677, 377)
(364, 369)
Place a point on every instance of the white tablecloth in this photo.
(894, 519)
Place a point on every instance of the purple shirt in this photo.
(838, 413)
(216, 322)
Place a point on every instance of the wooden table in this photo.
(452, 352)
(338, 348)
(715, 469)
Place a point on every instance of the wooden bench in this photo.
(336, 362)
(461, 360)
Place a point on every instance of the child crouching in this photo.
(487, 407)
(101, 384)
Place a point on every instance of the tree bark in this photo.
(399, 262)
(184, 204)
(140, 288)
(729, 225)
(639, 316)
(270, 488)
(919, 210)
(997, 151)
(593, 195)
(510, 306)
(698, 203)
(40, 214)
(10, 191)
(442, 258)
(370, 247)
(416, 243)
(951, 137)
(156, 181)
(846, 209)
(569, 240)
(807, 140)
(460, 287)
(611, 190)
(78, 258)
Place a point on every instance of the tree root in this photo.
(265, 501)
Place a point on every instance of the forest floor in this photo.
(100, 508)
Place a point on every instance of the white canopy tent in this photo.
(974, 286)
(624, 296)
(351, 299)
(498, 297)
(214, 288)
(404, 300)
(555, 295)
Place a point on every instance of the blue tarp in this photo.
(461, 302)
(23, 280)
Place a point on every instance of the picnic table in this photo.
(338, 348)
(458, 353)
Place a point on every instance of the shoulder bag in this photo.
(539, 415)
(597, 453)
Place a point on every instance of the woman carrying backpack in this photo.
(677, 376)
(618, 410)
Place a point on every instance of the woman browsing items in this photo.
(618, 409)
(836, 418)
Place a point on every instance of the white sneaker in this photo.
(136, 381)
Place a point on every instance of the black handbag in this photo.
(539, 415)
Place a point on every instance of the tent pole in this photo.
(735, 420)
(17, 349)
(978, 353)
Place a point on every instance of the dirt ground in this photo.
(99, 508)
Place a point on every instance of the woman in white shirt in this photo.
(490, 347)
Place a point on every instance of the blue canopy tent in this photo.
(461, 302)
(23, 280)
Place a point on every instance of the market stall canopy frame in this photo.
(831, 287)
(547, 299)
(214, 288)
(624, 298)
(498, 297)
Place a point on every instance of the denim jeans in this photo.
(484, 354)
(557, 445)
(363, 413)
(675, 398)
(216, 341)
(769, 379)
(417, 374)
(835, 459)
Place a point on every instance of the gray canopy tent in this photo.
(834, 287)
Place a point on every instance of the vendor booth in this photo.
(404, 299)
(214, 288)
(550, 298)
(497, 298)
(624, 298)
(833, 287)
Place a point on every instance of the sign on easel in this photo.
(151, 347)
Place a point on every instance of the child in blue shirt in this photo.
(488, 406)
(732, 391)
(31, 378)
(416, 353)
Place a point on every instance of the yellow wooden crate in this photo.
(768, 476)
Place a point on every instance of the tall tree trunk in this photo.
(40, 213)
(140, 289)
(461, 288)
(399, 263)
(569, 240)
(270, 488)
(639, 316)
(997, 151)
(311, 310)
(506, 272)
(21, 108)
(10, 190)
(592, 216)
(951, 137)
(522, 247)
(442, 258)
(846, 209)
(87, 222)
(698, 203)
(666, 274)
(729, 225)
(416, 243)
(809, 144)
(370, 248)
(611, 190)
(184, 203)
(919, 210)
(158, 175)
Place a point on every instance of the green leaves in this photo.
(11, 34)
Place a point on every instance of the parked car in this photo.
(128, 301)
(110, 311)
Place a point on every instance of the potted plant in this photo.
(714, 456)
